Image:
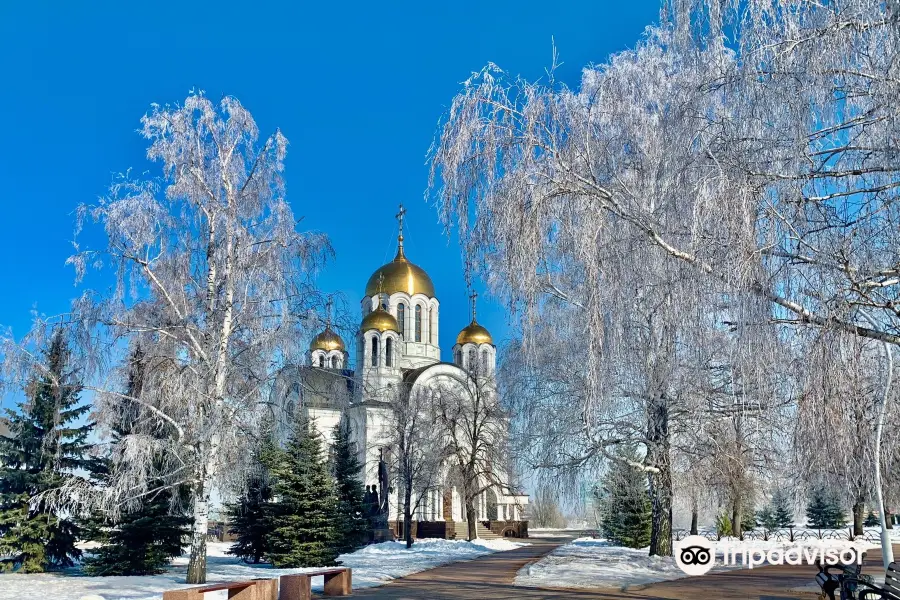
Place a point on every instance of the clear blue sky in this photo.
(357, 88)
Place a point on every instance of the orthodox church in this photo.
(397, 352)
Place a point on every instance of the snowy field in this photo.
(595, 563)
(372, 566)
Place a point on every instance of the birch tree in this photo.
(210, 274)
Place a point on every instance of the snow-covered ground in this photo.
(372, 566)
(595, 563)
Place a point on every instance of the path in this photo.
(491, 577)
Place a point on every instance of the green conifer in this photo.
(305, 532)
(141, 541)
(44, 445)
(782, 511)
(625, 504)
(346, 468)
(250, 518)
(824, 510)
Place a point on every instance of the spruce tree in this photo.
(777, 513)
(824, 510)
(871, 520)
(44, 445)
(781, 507)
(346, 468)
(250, 518)
(766, 518)
(625, 509)
(305, 531)
(143, 540)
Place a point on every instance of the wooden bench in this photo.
(253, 589)
(889, 591)
(338, 582)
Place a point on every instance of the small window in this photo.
(321, 360)
(418, 323)
(473, 361)
(431, 325)
(374, 351)
(401, 319)
(389, 352)
(484, 362)
(458, 358)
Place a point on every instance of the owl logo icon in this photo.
(695, 555)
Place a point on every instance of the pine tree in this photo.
(871, 520)
(142, 541)
(250, 518)
(44, 445)
(782, 510)
(305, 532)
(777, 513)
(346, 468)
(625, 504)
(824, 510)
(766, 518)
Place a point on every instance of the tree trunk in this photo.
(859, 515)
(470, 519)
(888, 519)
(660, 481)
(407, 516)
(694, 518)
(737, 515)
(196, 572)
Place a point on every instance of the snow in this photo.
(372, 565)
(595, 563)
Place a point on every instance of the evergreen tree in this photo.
(782, 510)
(871, 520)
(305, 531)
(777, 513)
(625, 504)
(345, 466)
(766, 518)
(824, 510)
(43, 446)
(250, 518)
(723, 524)
(143, 540)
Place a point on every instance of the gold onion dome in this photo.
(474, 334)
(381, 320)
(400, 275)
(328, 340)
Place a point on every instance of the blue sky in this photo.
(357, 88)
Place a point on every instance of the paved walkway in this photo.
(491, 577)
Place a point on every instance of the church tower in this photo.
(404, 292)
(474, 350)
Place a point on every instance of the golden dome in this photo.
(400, 275)
(474, 334)
(381, 320)
(328, 340)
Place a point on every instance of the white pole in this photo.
(887, 551)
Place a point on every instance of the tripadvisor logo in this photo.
(696, 555)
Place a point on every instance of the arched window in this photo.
(389, 352)
(431, 325)
(321, 360)
(336, 362)
(473, 361)
(458, 358)
(418, 323)
(484, 361)
(374, 351)
(401, 319)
